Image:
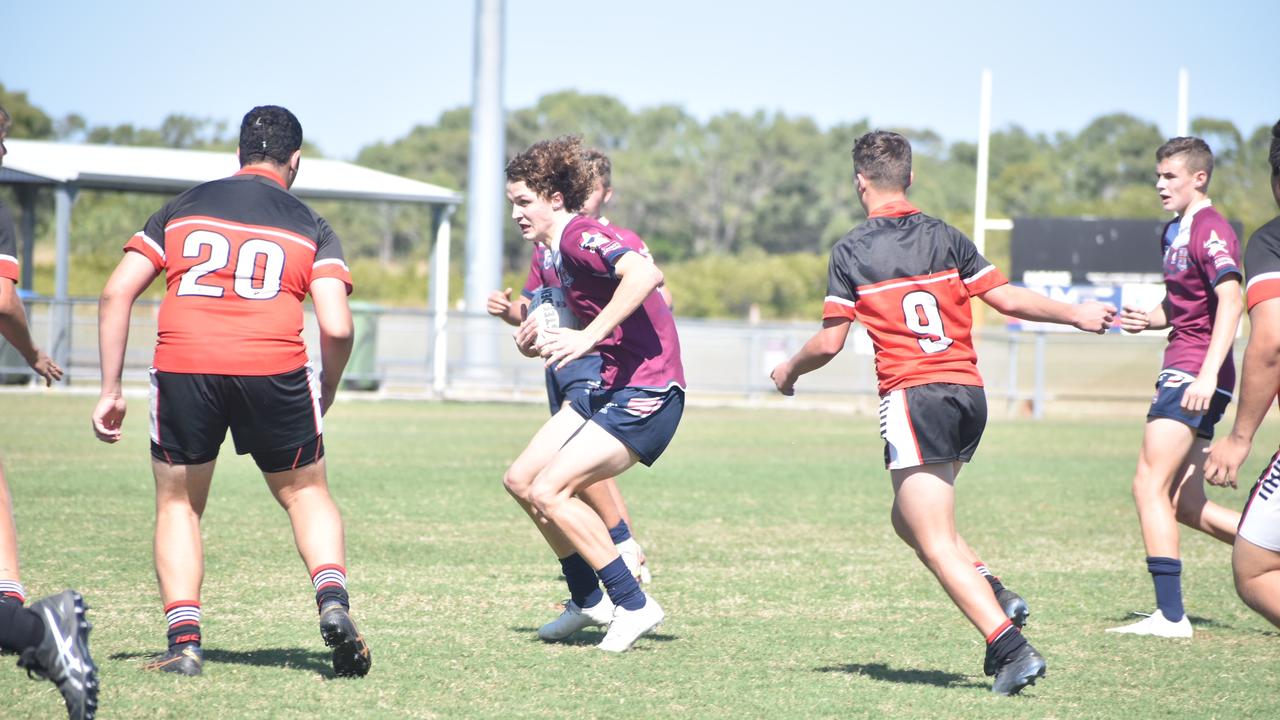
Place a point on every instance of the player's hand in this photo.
(564, 345)
(526, 337)
(108, 416)
(1094, 316)
(328, 393)
(1198, 395)
(499, 302)
(1134, 320)
(782, 380)
(46, 368)
(1224, 460)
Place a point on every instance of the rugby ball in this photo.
(551, 310)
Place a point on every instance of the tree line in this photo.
(733, 207)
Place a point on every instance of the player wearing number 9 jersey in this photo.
(909, 278)
(239, 255)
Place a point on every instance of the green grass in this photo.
(787, 593)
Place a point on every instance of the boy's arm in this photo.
(1226, 320)
(818, 351)
(1259, 379)
(1021, 303)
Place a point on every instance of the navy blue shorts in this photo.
(643, 420)
(579, 377)
(1168, 403)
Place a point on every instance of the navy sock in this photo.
(620, 532)
(1167, 575)
(584, 589)
(20, 628)
(621, 585)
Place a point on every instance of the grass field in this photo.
(787, 593)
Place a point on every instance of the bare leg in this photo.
(544, 446)
(317, 524)
(588, 457)
(1257, 574)
(924, 517)
(1195, 510)
(8, 535)
(1165, 447)
(181, 494)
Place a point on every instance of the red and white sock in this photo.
(12, 590)
(331, 585)
(183, 617)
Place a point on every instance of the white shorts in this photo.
(1260, 521)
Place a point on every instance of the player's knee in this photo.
(545, 499)
(517, 483)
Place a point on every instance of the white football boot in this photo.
(1156, 624)
(576, 618)
(629, 625)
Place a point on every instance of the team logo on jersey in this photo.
(547, 261)
(1215, 245)
(595, 241)
(1176, 258)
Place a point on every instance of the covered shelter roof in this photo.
(165, 170)
(70, 167)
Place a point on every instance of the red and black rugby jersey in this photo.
(1262, 261)
(908, 278)
(239, 255)
(8, 246)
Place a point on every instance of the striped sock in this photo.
(12, 590)
(183, 617)
(996, 585)
(331, 585)
(1003, 642)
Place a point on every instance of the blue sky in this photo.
(361, 72)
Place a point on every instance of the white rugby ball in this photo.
(551, 310)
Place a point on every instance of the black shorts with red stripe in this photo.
(274, 418)
(932, 423)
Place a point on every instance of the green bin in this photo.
(362, 367)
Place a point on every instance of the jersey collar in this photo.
(262, 172)
(894, 208)
(1194, 208)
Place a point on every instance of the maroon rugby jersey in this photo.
(644, 350)
(1200, 250)
(239, 255)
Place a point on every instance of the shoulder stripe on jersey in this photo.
(331, 261)
(980, 273)
(252, 229)
(1262, 277)
(153, 244)
(839, 301)
(926, 280)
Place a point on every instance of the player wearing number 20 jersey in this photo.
(239, 255)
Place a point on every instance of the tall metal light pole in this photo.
(485, 186)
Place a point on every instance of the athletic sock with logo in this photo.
(331, 585)
(621, 585)
(183, 617)
(996, 585)
(584, 588)
(1166, 573)
(620, 532)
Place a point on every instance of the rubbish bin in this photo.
(13, 368)
(362, 367)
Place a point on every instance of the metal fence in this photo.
(726, 362)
